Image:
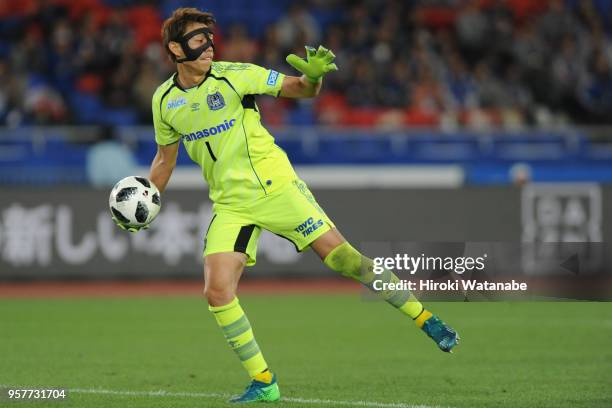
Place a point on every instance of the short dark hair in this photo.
(174, 26)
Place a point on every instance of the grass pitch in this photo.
(328, 350)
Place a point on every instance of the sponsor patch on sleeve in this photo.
(272, 77)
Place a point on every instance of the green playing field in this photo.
(328, 351)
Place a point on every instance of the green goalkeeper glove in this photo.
(317, 63)
(126, 227)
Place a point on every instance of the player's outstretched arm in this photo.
(163, 164)
(299, 87)
(317, 63)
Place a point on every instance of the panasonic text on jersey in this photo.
(211, 131)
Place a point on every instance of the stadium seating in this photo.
(489, 81)
(28, 153)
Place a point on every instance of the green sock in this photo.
(351, 263)
(239, 335)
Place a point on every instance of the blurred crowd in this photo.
(474, 63)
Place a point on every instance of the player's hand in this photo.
(128, 228)
(317, 63)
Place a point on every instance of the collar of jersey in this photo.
(178, 85)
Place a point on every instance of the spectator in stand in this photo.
(595, 93)
(62, 63)
(472, 30)
(298, 26)
(493, 59)
(556, 23)
(238, 46)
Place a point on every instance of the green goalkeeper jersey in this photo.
(219, 124)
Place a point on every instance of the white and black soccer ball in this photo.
(134, 201)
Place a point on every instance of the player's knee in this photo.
(346, 260)
(219, 296)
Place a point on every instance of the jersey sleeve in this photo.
(256, 80)
(164, 133)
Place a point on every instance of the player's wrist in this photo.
(311, 80)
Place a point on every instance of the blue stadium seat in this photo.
(118, 117)
(436, 148)
(86, 106)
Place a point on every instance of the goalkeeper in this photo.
(210, 107)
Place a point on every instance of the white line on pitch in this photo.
(162, 393)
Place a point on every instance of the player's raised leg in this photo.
(222, 272)
(341, 257)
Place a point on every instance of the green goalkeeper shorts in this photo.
(291, 212)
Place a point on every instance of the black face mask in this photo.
(192, 54)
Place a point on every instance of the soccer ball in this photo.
(134, 202)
